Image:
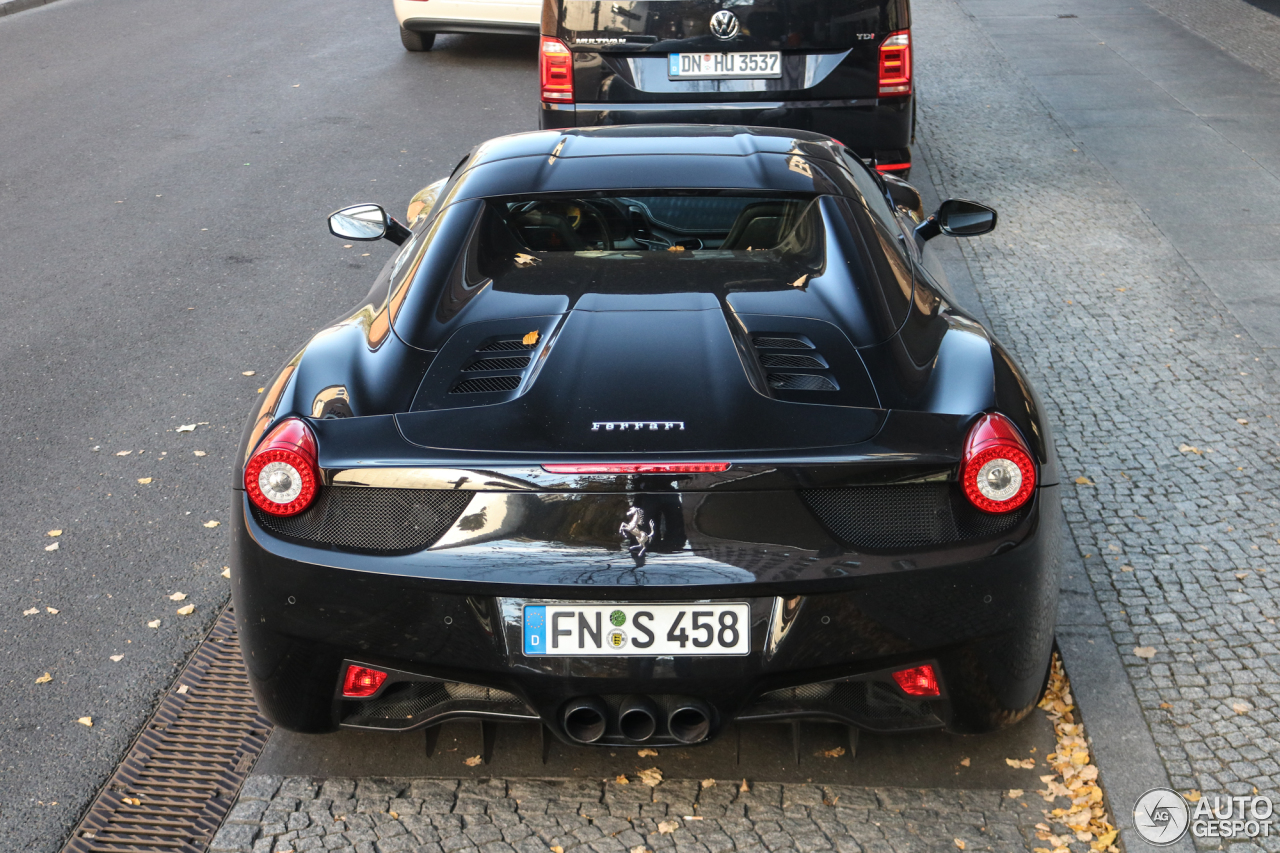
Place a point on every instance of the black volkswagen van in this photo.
(837, 67)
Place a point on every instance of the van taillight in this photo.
(556, 67)
(895, 65)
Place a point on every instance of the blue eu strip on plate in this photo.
(535, 630)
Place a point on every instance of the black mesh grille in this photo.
(408, 703)
(781, 343)
(498, 346)
(486, 384)
(515, 362)
(373, 520)
(904, 515)
(801, 382)
(773, 359)
(870, 703)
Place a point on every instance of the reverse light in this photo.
(918, 681)
(556, 71)
(997, 471)
(895, 65)
(678, 468)
(282, 475)
(361, 681)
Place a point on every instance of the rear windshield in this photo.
(705, 225)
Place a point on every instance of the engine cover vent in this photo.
(486, 385)
(788, 370)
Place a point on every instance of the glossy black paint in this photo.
(829, 74)
(914, 370)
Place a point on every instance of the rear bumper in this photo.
(985, 621)
(880, 129)
(461, 25)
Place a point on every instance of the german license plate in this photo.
(723, 66)
(579, 630)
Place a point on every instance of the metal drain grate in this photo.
(182, 774)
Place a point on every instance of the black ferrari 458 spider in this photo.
(644, 431)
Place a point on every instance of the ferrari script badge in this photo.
(610, 426)
(724, 25)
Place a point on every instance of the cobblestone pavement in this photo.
(276, 814)
(1162, 407)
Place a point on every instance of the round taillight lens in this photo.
(998, 473)
(282, 476)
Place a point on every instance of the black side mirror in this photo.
(367, 222)
(957, 217)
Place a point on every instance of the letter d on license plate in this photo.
(579, 630)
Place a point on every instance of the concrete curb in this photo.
(13, 7)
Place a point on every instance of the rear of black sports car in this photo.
(641, 444)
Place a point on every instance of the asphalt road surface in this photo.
(165, 173)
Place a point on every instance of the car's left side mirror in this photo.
(957, 217)
(367, 222)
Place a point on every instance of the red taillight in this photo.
(556, 66)
(361, 681)
(679, 468)
(918, 681)
(895, 65)
(997, 472)
(892, 167)
(282, 475)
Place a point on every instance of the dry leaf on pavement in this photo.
(1186, 448)
(958, 843)
(744, 788)
(44, 679)
(144, 481)
(124, 453)
(199, 453)
(473, 761)
(1145, 652)
(1192, 796)
(52, 547)
(212, 523)
(31, 611)
(186, 428)
(651, 777)
(639, 848)
(708, 783)
(132, 801)
(86, 721)
(1241, 707)
(187, 610)
(178, 596)
(648, 753)
(831, 753)
(54, 533)
(182, 688)
(117, 658)
(557, 849)
(226, 571)
(154, 623)
(51, 611)
(622, 780)
(248, 372)
(667, 827)
(1025, 764)
(1084, 481)
(964, 762)
(1014, 793)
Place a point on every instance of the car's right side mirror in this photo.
(957, 217)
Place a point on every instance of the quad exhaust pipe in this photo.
(586, 719)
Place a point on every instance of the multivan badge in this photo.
(724, 25)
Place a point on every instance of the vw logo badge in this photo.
(724, 25)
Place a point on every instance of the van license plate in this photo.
(724, 66)
(631, 630)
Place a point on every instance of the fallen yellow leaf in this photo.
(1241, 707)
(123, 452)
(557, 849)
(958, 843)
(199, 453)
(248, 372)
(212, 523)
(832, 753)
(708, 783)
(32, 611)
(86, 721)
(394, 815)
(667, 827)
(648, 753)
(44, 679)
(1144, 652)
(523, 260)
(1186, 448)
(154, 623)
(52, 547)
(473, 761)
(530, 339)
(187, 610)
(226, 571)
(1014, 793)
(964, 762)
(744, 788)
(51, 611)
(1192, 796)
(1084, 481)
(178, 596)
(117, 658)
(622, 780)
(144, 480)
(54, 533)
(651, 777)
(131, 801)
(1025, 763)
(675, 248)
